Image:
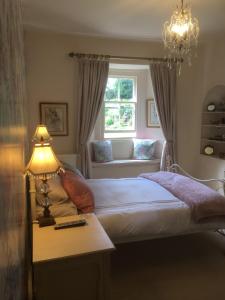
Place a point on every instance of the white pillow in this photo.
(56, 191)
(59, 209)
(61, 204)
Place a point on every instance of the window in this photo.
(123, 111)
(120, 107)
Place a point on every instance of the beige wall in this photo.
(51, 73)
(189, 95)
(208, 70)
(214, 74)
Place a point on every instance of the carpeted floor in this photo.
(188, 267)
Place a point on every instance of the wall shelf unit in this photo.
(213, 123)
(213, 141)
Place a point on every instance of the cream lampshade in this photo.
(43, 162)
(44, 165)
(41, 134)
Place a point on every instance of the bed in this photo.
(134, 209)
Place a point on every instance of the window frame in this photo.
(134, 101)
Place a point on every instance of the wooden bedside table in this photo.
(71, 263)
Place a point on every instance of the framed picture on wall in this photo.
(55, 116)
(152, 115)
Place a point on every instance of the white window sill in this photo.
(125, 162)
(119, 135)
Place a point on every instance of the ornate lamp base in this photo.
(46, 221)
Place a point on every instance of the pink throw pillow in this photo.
(78, 191)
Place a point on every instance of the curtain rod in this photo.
(156, 59)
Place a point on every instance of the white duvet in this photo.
(132, 209)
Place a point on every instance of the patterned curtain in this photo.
(13, 278)
(92, 78)
(164, 87)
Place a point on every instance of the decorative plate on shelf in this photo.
(211, 107)
(209, 150)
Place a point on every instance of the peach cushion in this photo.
(78, 191)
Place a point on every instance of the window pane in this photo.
(126, 89)
(111, 92)
(119, 89)
(119, 116)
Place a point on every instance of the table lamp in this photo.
(41, 135)
(44, 165)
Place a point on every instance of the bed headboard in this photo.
(70, 159)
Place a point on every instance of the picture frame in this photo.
(55, 116)
(152, 114)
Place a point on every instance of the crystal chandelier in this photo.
(180, 35)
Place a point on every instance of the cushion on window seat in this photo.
(144, 149)
(102, 151)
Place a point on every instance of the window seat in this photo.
(125, 162)
(124, 165)
(123, 168)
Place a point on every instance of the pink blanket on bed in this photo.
(203, 201)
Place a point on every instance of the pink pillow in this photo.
(78, 191)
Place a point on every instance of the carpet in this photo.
(190, 267)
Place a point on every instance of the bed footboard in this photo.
(175, 167)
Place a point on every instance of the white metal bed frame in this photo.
(175, 166)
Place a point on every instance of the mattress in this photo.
(133, 209)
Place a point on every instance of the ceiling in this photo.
(132, 19)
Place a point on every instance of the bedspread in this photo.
(203, 201)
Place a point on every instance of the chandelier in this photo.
(180, 35)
